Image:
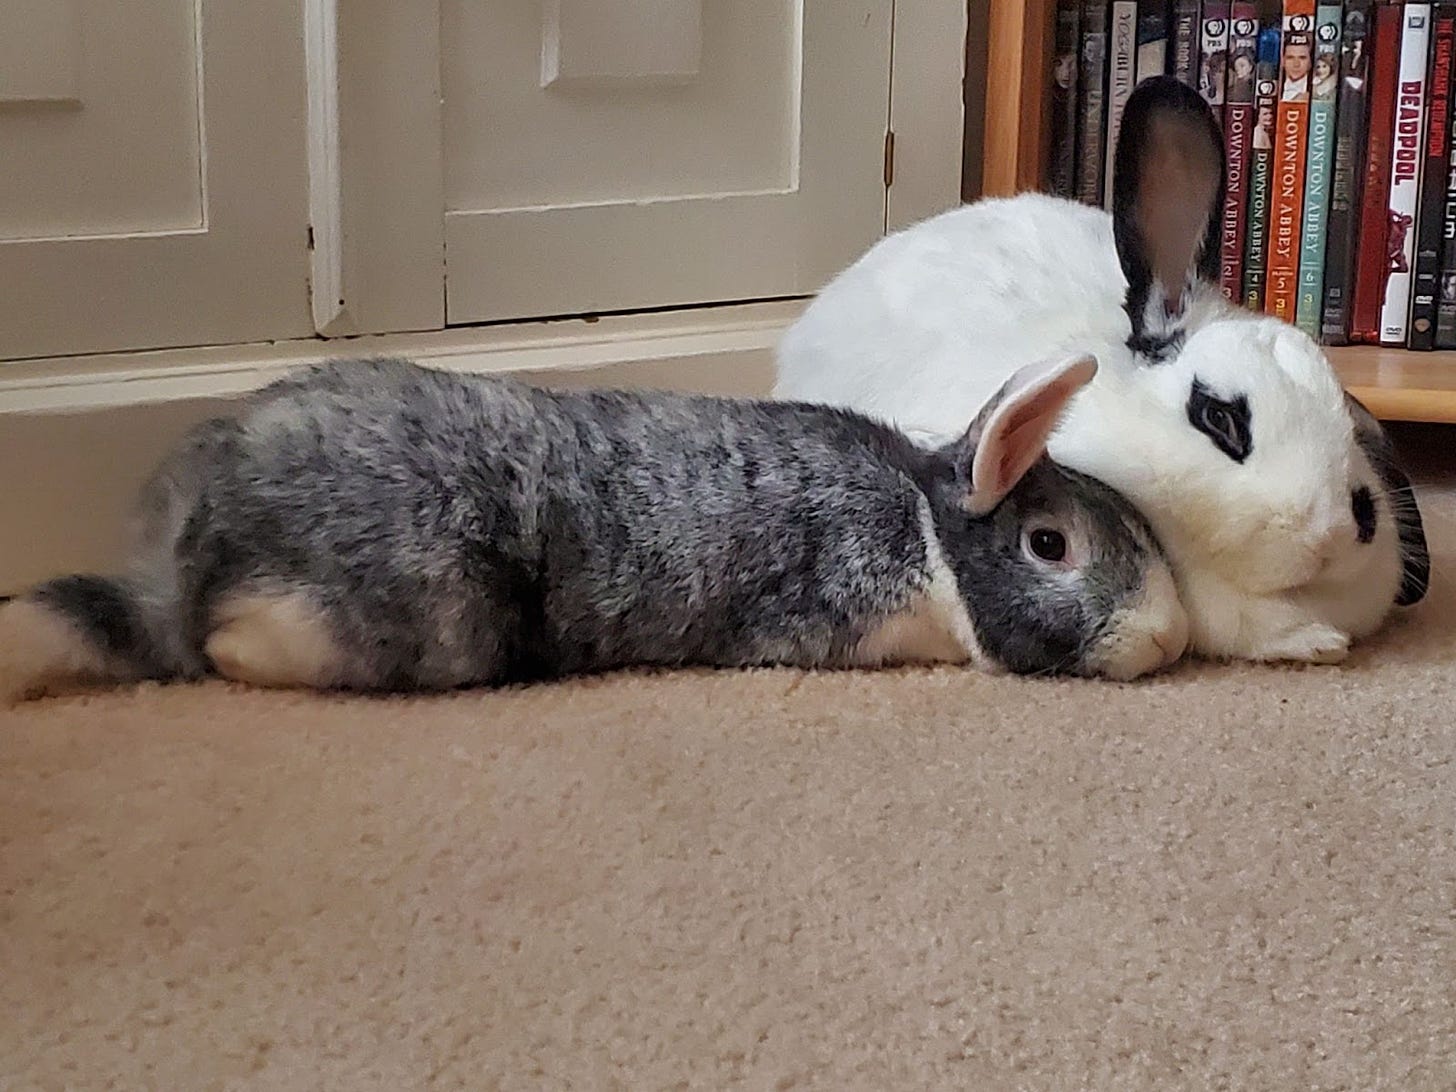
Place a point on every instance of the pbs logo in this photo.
(1266, 87)
(1328, 33)
(1299, 23)
(1244, 28)
(1213, 28)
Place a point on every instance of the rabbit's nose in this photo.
(1334, 540)
(1329, 545)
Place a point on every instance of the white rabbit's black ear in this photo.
(1167, 206)
(1010, 433)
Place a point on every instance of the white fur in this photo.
(925, 327)
(277, 640)
(944, 594)
(42, 653)
(934, 627)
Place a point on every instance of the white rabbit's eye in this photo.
(1226, 423)
(1046, 544)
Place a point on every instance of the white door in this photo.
(606, 155)
(153, 174)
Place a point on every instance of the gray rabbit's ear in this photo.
(1010, 433)
(1167, 207)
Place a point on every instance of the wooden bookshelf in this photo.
(1396, 384)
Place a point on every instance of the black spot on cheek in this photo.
(1362, 507)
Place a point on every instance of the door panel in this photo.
(145, 117)
(642, 111)
(162, 195)
(614, 154)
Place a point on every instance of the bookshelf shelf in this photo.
(1397, 385)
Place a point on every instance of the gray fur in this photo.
(468, 530)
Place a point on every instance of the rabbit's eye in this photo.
(1047, 545)
(1226, 423)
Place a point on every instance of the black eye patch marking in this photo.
(1362, 507)
(1227, 424)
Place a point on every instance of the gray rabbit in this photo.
(377, 525)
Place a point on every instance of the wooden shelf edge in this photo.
(1413, 405)
(1398, 385)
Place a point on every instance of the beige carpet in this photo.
(1236, 878)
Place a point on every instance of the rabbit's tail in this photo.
(79, 631)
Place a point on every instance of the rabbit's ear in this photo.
(1010, 433)
(1167, 206)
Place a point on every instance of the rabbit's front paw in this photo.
(1315, 643)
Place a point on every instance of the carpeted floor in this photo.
(1237, 878)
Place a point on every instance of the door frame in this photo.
(928, 70)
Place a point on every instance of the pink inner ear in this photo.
(1016, 435)
(1182, 173)
(1022, 442)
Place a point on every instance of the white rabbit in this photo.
(1291, 529)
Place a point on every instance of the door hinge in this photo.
(889, 158)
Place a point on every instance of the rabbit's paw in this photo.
(1315, 643)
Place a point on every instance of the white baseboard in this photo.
(78, 435)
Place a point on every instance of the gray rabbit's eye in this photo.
(1046, 544)
(1226, 423)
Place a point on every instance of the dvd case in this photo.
(1405, 173)
(1319, 165)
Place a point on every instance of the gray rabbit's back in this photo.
(467, 529)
